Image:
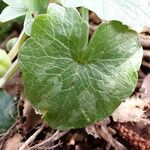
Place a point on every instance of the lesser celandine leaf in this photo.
(8, 111)
(134, 13)
(10, 13)
(14, 9)
(71, 84)
(18, 8)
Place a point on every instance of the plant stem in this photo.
(12, 54)
(14, 51)
(85, 16)
(9, 73)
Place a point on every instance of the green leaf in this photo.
(5, 62)
(14, 9)
(37, 6)
(71, 85)
(2, 5)
(134, 13)
(8, 109)
(28, 23)
(18, 8)
(4, 30)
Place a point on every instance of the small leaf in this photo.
(28, 23)
(8, 111)
(71, 85)
(134, 13)
(15, 8)
(10, 13)
(19, 8)
(37, 6)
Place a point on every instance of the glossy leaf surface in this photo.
(73, 84)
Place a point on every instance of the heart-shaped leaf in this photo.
(71, 84)
(134, 13)
(8, 109)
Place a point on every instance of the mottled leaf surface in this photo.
(8, 111)
(73, 84)
(18, 8)
(134, 13)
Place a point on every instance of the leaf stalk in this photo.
(9, 73)
(14, 51)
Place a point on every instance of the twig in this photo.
(32, 138)
(46, 141)
(49, 148)
(55, 136)
(60, 135)
(52, 147)
(103, 132)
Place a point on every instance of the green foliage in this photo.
(73, 84)
(4, 29)
(2, 5)
(5, 62)
(134, 13)
(17, 8)
(11, 43)
(8, 111)
(28, 23)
